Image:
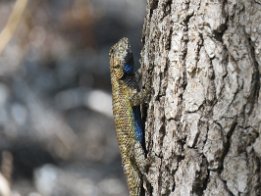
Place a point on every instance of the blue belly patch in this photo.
(139, 133)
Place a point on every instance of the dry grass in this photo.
(12, 23)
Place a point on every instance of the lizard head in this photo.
(121, 59)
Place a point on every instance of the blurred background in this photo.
(57, 134)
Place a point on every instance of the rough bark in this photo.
(203, 120)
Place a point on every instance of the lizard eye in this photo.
(116, 66)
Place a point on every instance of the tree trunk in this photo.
(204, 117)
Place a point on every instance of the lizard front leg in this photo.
(139, 97)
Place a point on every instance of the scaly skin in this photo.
(126, 100)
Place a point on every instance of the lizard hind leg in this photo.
(139, 158)
(139, 161)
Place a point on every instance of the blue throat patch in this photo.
(128, 69)
(139, 133)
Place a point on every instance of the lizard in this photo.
(126, 100)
